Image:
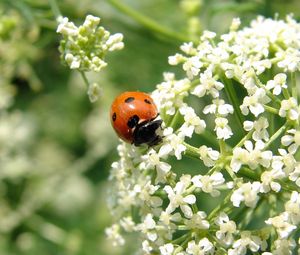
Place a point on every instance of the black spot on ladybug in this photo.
(129, 99)
(133, 121)
(114, 116)
(147, 101)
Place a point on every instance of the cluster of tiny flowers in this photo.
(246, 147)
(84, 48)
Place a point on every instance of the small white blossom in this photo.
(192, 66)
(292, 139)
(153, 160)
(127, 224)
(192, 123)
(113, 234)
(282, 225)
(268, 180)
(251, 156)
(236, 22)
(209, 183)
(284, 247)
(247, 241)
(260, 128)
(166, 249)
(277, 84)
(227, 229)
(218, 107)
(176, 59)
(197, 221)
(178, 198)
(208, 155)
(255, 103)
(290, 60)
(292, 207)
(248, 192)
(208, 85)
(94, 91)
(172, 144)
(222, 128)
(203, 247)
(146, 247)
(147, 227)
(207, 35)
(289, 109)
(66, 28)
(295, 175)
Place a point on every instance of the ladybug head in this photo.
(146, 132)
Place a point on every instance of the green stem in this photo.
(248, 173)
(174, 120)
(294, 86)
(217, 209)
(271, 109)
(230, 172)
(210, 138)
(269, 93)
(148, 22)
(85, 79)
(286, 93)
(191, 151)
(278, 133)
(55, 9)
(222, 146)
(245, 138)
(233, 98)
(249, 215)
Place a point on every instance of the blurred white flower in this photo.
(247, 193)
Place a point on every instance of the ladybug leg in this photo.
(145, 133)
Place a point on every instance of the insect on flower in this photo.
(134, 118)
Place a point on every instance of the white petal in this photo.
(190, 199)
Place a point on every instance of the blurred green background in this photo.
(56, 147)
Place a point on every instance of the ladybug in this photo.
(134, 118)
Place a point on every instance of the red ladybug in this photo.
(133, 117)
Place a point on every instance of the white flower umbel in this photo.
(85, 47)
(229, 156)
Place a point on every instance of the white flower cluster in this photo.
(244, 131)
(84, 48)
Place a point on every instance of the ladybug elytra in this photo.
(134, 118)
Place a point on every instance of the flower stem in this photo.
(191, 151)
(85, 79)
(294, 86)
(233, 98)
(245, 138)
(55, 9)
(230, 172)
(217, 209)
(174, 121)
(271, 109)
(148, 22)
(269, 93)
(248, 173)
(276, 135)
(210, 138)
(286, 93)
